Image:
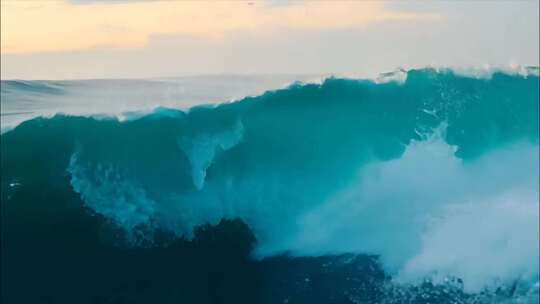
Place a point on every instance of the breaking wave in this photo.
(436, 175)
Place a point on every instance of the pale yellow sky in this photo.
(52, 26)
(80, 39)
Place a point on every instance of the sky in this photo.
(81, 39)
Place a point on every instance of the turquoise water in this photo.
(433, 179)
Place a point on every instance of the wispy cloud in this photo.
(61, 26)
(82, 2)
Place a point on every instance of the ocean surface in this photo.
(418, 186)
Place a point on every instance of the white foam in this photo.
(486, 71)
(202, 148)
(430, 215)
(108, 192)
(427, 214)
(488, 244)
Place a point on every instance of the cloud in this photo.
(82, 2)
(63, 26)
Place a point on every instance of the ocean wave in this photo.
(437, 174)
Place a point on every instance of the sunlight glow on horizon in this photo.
(57, 26)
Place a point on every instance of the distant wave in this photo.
(15, 113)
(32, 86)
(436, 174)
(127, 97)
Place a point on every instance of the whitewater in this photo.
(433, 172)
